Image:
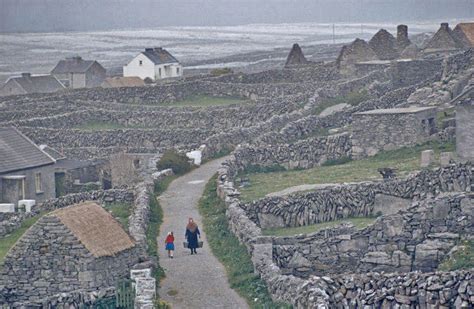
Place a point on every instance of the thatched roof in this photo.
(95, 228)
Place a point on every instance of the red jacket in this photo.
(169, 238)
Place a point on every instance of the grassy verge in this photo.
(233, 255)
(462, 259)
(405, 160)
(153, 231)
(7, 242)
(120, 211)
(359, 223)
(202, 100)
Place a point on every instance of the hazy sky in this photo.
(77, 15)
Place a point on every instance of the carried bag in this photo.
(186, 245)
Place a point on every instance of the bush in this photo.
(179, 163)
(339, 161)
(264, 169)
(221, 71)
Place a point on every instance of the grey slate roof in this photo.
(38, 84)
(17, 152)
(73, 65)
(159, 55)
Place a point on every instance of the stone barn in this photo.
(81, 247)
(387, 129)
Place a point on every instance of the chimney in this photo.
(148, 49)
(26, 75)
(402, 32)
(444, 26)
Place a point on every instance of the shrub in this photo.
(221, 71)
(339, 161)
(264, 169)
(179, 163)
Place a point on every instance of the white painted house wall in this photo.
(143, 67)
(140, 66)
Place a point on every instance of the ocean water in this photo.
(195, 46)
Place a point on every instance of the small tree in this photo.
(179, 163)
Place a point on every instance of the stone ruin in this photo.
(296, 57)
(384, 45)
(443, 40)
(355, 52)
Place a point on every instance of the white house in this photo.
(154, 63)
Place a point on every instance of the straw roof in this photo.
(95, 228)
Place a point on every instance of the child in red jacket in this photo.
(170, 244)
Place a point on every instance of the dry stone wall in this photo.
(357, 199)
(355, 290)
(416, 239)
(301, 154)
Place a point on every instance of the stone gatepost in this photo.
(145, 288)
(445, 158)
(427, 158)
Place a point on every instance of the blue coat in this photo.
(192, 238)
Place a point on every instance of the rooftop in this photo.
(406, 110)
(72, 65)
(126, 81)
(159, 55)
(17, 152)
(38, 84)
(95, 228)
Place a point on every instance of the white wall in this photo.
(146, 69)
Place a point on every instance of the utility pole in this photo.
(333, 34)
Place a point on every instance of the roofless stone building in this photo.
(81, 247)
(296, 57)
(387, 129)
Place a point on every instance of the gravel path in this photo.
(192, 281)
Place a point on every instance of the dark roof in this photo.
(17, 152)
(38, 84)
(159, 55)
(73, 65)
(53, 153)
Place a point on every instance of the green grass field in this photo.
(231, 253)
(121, 212)
(359, 223)
(202, 100)
(405, 160)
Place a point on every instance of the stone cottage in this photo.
(26, 171)
(387, 129)
(76, 72)
(80, 247)
(296, 57)
(154, 63)
(27, 84)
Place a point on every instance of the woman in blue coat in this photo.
(192, 234)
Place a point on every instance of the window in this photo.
(177, 71)
(38, 184)
(140, 62)
(159, 72)
(136, 163)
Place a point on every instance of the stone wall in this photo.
(368, 290)
(75, 299)
(355, 200)
(416, 239)
(301, 154)
(382, 130)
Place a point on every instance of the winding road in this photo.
(192, 281)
